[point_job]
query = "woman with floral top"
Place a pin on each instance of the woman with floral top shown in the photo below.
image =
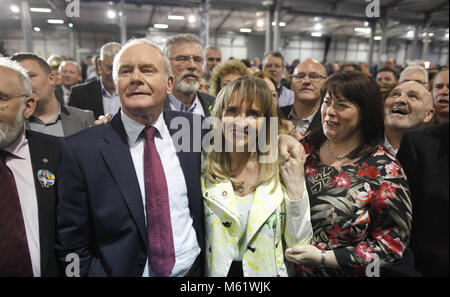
(250, 216)
(359, 196)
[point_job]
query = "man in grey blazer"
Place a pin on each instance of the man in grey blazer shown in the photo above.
(50, 117)
(185, 53)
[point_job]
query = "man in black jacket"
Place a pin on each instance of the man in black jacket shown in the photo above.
(99, 95)
(423, 154)
(28, 164)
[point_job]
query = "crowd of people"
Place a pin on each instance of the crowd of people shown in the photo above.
(355, 173)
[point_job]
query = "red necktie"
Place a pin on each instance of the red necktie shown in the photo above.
(159, 226)
(14, 254)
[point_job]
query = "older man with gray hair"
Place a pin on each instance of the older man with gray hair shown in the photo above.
(99, 95)
(28, 168)
(415, 73)
(185, 53)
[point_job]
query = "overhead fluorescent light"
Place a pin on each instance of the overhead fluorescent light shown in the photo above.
(55, 21)
(245, 30)
(363, 30)
(15, 8)
(282, 24)
(191, 19)
(316, 34)
(446, 35)
(37, 29)
(161, 26)
(40, 9)
(378, 38)
(176, 17)
(430, 34)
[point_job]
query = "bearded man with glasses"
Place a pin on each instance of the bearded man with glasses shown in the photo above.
(307, 80)
(185, 53)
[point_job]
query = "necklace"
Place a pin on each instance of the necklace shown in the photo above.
(239, 186)
(330, 152)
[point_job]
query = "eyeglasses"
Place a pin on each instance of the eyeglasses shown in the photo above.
(314, 77)
(185, 59)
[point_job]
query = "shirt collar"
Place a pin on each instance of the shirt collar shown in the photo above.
(180, 106)
(105, 92)
(34, 118)
(389, 147)
(134, 129)
(293, 116)
(19, 147)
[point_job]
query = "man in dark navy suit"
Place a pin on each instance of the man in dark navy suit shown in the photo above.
(129, 203)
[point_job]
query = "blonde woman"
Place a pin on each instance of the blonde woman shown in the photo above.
(252, 215)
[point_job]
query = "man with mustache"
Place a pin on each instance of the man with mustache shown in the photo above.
(440, 95)
(307, 80)
(185, 53)
(28, 163)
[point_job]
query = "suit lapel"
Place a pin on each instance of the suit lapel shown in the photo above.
(316, 121)
(117, 156)
(207, 104)
(44, 156)
(67, 124)
(98, 104)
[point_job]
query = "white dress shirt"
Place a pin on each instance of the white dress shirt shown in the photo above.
(186, 246)
(19, 162)
(111, 102)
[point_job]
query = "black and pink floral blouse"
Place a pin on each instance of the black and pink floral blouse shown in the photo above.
(361, 211)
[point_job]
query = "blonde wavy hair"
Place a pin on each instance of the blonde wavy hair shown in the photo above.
(229, 67)
(251, 90)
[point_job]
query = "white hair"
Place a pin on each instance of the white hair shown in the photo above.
(414, 68)
(109, 49)
(133, 42)
(64, 63)
(25, 81)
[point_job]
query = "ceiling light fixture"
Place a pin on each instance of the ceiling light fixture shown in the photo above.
(245, 30)
(15, 8)
(316, 34)
(191, 19)
(378, 38)
(55, 21)
(111, 14)
(176, 17)
(37, 29)
(161, 26)
(363, 30)
(260, 23)
(40, 9)
(318, 27)
(282, 24)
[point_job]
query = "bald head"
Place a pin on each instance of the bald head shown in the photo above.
(311, 64)
(308, 78)
(408, 106)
